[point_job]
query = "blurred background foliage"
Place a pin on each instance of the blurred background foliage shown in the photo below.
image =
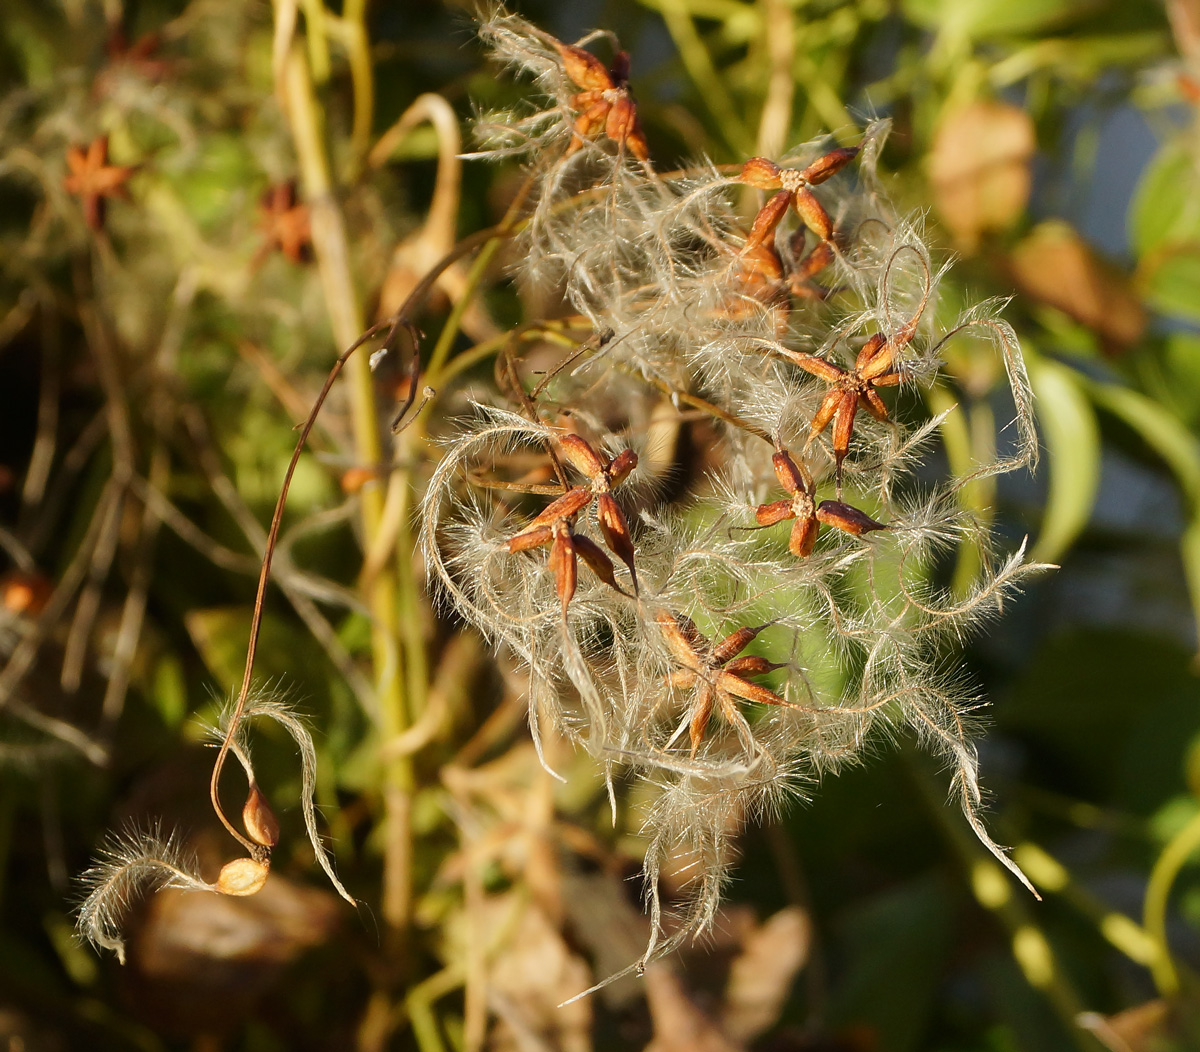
(278, 177)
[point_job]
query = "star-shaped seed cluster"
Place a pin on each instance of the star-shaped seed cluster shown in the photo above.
(801, 506)
(285, 223)
(555, 524)
(94, 180)
(605, 105)
(715, 671)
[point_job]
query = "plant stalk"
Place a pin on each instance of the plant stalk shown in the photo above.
(331, 249)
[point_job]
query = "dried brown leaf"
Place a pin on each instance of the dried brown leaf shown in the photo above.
(679, 1024)
(761, 976)
(1143, 1028)
(533, 973)
(979, 168)
(1057, 267)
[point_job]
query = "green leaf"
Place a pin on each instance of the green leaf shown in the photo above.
(1166, 207)
(1164, 225)
(286, 654)
(1180, 388)
(1171, 286)
(1109, 710)
(1178, 447)
(1073, 439)
(1189, 549)
(1159, 429)
(901, 932)
(169, 690)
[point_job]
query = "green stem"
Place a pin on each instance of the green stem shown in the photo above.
(711, 86)
(316, 30)
(1158, 891)
(331, 248)
(362, 78)
(419, 1006)
(959, 439)
(994, 891)
(441, 350)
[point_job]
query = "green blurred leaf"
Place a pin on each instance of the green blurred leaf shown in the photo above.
(1073, 439)
(1161, 431)
(988, 18)
(1181, 366)
(904, 932)
(1164, 224)
(1178, 447)
(1172, 285)
(1172, 817)
(1192, 766)
(170, 694)
(1080, 58)
(1189, 548)
(1109, 712)
(214, 185)
(1166, 208)
(285, 654)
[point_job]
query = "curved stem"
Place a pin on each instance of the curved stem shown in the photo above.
(1158, 890)
(263, 576)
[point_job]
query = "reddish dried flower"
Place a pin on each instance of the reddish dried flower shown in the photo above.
(716, 672)
(566, 547)
(802, 507)
(605, 104)
(851, 389)
(604, 475)
(285, 224)
(92, 179)
(767, 175)
(554, 525)
(141, 56)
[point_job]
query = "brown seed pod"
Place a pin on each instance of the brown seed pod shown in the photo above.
(830, 164)
(846, 518)
(583, 68)
(812, 213)
(760, 172)
(242, 876)
(261, 824)
(24, 592)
